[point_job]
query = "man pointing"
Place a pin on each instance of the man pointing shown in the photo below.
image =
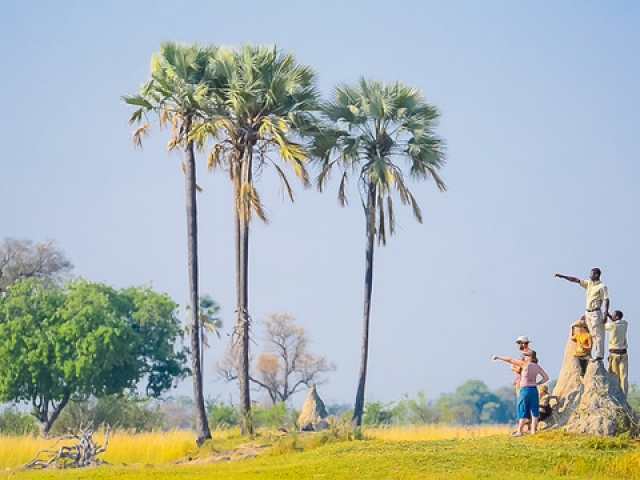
(597, 294)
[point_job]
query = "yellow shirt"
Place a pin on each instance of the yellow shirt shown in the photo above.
(583, 344)
(596, 293)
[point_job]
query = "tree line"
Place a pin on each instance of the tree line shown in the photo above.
(253, 107)
(68, 344)
(472, 403)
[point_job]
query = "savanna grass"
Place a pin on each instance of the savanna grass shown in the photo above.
(125, 448)
(548, 455)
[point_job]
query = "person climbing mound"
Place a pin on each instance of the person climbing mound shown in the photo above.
(584, 342)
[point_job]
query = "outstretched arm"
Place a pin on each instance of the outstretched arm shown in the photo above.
(565, 277)
(512, 361)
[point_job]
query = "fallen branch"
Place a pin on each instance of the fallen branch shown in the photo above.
(82, 454)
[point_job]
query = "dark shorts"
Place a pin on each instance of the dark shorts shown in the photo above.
(545, 411)
(528, 403)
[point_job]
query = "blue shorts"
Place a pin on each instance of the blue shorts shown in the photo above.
(528, 403)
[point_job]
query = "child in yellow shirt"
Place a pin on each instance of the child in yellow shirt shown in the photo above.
(584, 343)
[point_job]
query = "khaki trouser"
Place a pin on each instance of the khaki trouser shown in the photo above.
(596, 329)
(619, 368)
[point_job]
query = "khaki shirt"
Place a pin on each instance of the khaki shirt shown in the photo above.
(596, 293)
(618, 334)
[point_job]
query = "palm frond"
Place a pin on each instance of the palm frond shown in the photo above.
(392, 217)
(342, 190)
(416, 208)
(257, 206)
(381, 231)
(143, 131)
(285, 182)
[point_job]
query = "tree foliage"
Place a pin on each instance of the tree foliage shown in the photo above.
(82, 339)
(472, 403)
(27, 259)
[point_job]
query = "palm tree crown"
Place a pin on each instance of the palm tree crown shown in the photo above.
(376, 124)
(263, 100)
(177, 91)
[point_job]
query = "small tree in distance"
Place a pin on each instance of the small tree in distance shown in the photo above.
(28, 259)
(285, 365)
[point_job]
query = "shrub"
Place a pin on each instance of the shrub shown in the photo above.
(125, 412)
(14, 423)
(273, 417)
(222, 416)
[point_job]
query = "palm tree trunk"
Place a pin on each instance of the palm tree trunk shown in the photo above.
(202, 426)
(242, 289)
(368, 287)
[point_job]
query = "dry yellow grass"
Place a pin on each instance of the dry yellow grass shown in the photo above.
(16, 451)
(124, 448)
(436, 432)
(148, 448)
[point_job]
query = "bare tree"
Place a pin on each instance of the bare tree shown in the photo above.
(285, 365)
(26, 258)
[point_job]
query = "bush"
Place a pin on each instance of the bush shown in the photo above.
(273, 417)
(377, 413)
(222, 416)
(125, 412)
(14, 423)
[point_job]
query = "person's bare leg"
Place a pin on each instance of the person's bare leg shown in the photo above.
(521, 423)
(534, 425)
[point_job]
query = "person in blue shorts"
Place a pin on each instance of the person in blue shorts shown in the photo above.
(528, 399)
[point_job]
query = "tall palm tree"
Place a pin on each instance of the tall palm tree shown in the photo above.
(263, 99)
(178, 94)
(372, 126)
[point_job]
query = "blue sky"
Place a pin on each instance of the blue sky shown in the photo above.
(540, 111)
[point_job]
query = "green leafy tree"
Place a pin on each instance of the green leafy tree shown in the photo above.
(178, 94)
(373, 126)
(262, 99)
(84, 339)
(507, 401)
(474, 403)
(445, 407)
